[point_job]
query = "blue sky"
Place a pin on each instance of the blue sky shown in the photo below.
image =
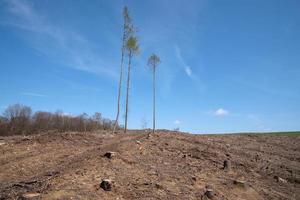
(227, 66)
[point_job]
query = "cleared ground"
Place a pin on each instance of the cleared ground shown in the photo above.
(168, 165)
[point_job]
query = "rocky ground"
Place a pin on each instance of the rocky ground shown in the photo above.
(167, 165)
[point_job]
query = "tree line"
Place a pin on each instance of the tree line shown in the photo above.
(19, 119)
(130, 48)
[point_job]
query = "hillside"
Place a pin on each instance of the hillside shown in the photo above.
(168, 165)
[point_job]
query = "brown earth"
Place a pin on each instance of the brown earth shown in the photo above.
(167, 165)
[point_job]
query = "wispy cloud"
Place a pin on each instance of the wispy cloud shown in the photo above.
(188, 71)
(186, 68)
(65, 46)
(33, 94)
(220, 112)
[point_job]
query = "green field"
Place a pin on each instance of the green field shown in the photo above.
(286, 133)
(290, 133)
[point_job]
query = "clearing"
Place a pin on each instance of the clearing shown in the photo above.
(168, 165)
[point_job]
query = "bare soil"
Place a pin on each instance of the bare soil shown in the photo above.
(168, 165)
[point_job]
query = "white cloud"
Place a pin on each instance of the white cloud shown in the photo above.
(220, 112)
(187, 68)
(177, 122)
(33, 94)
(64, 46)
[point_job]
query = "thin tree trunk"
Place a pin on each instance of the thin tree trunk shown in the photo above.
(120, 82)
(127, 93)
(154, 99)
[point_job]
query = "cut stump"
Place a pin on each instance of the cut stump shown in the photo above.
(106, 184)
(227, 165)
(209, 193)
(110, 154)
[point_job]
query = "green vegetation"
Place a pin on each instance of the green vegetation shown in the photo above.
(289, 133)
(284, 133)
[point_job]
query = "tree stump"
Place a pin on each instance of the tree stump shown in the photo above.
(227, 165)
(106, 185)
(109, 154)
(209, 193)
(240, 183)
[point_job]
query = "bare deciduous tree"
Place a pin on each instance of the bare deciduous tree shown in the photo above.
(17, 119)
(18, 116)
(153, 61)
(42, 120)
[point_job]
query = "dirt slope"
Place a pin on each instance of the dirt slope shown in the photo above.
(166, 166)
